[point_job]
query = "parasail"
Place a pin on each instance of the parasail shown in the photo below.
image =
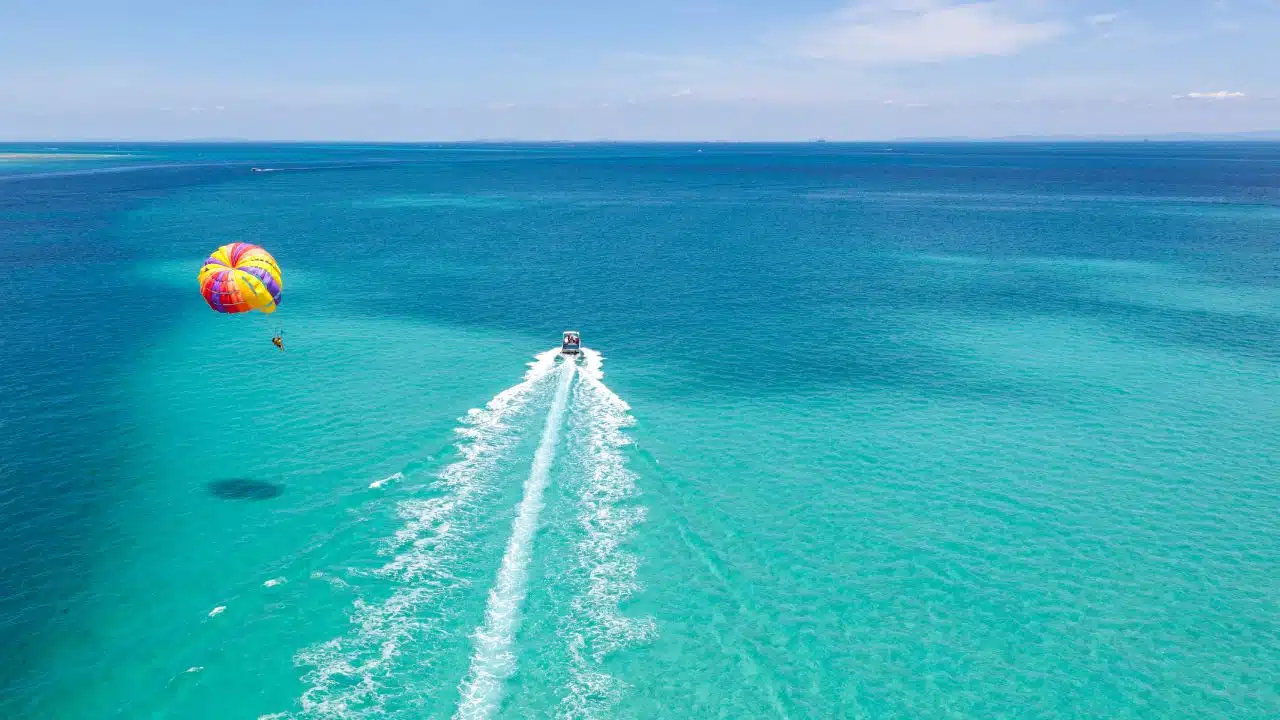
(240, 277)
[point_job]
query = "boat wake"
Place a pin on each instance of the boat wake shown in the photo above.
(493, 660)
(354, 675)
(398, 643)
(604, 573)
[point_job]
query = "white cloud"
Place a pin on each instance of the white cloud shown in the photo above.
(686, 92)
(1102, 18)
(1219, 95)
(914, 31)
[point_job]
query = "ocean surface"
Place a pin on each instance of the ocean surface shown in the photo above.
(864, 431)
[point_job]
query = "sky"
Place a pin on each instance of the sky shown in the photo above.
(634, 69)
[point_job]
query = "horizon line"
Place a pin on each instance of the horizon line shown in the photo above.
(1245, 136)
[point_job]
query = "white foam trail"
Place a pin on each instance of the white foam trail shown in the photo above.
(492, 662)
(351, 673)
(390, 478)
(604, 573)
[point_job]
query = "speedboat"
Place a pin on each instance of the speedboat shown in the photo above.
(572, 344)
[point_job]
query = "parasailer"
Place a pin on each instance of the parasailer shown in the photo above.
(240, 277)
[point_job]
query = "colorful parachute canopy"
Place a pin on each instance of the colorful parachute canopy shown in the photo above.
(240, 277)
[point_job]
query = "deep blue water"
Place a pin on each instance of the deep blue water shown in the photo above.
(914, 430)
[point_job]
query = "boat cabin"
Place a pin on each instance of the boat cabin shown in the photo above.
(572, 344)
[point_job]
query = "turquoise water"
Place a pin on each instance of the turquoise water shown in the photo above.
(930, 431)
